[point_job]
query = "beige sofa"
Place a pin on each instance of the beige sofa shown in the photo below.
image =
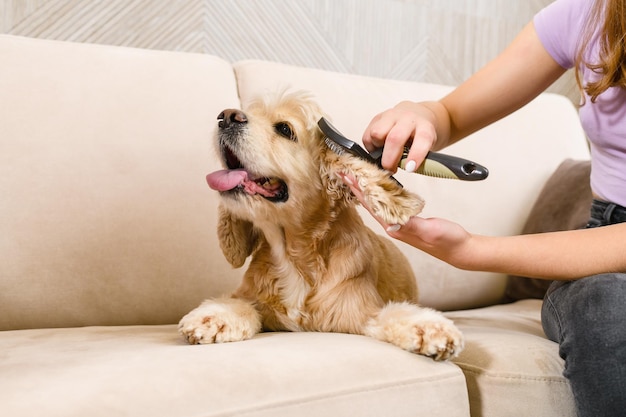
(108, 237)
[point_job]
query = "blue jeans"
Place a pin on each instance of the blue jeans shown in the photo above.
(587, 317)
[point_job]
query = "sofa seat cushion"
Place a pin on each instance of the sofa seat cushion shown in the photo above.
(511, 368)
(149, 370)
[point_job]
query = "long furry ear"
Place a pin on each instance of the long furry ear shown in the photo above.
(238, 238)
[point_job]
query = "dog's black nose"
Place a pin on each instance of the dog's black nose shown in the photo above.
(230, 116)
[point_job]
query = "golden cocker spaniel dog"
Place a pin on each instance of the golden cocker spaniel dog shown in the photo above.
(315, 266)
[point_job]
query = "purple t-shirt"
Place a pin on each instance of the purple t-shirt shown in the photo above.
(560, 26)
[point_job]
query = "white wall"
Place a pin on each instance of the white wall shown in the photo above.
(440, 41)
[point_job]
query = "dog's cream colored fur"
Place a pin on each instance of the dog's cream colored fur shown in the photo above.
(315, 266)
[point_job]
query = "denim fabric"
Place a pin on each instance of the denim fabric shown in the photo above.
(604, 213)
(587, 317)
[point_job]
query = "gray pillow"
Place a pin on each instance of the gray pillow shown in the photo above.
(563, 204)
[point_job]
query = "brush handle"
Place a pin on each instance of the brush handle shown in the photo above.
(435, 164)
(448, 166)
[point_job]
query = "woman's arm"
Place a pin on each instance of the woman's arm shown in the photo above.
(522, 71)
(556, 255)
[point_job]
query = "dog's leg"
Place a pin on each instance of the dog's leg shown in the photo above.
(220, 320)
(416, 329)
(385, 197)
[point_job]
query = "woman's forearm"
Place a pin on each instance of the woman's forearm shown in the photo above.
(556, 255)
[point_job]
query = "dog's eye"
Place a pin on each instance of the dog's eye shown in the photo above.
(284, 130)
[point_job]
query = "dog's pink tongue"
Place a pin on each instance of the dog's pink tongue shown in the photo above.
(226, 179)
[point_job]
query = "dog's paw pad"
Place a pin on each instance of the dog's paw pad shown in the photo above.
(418, 330)
(392, 203)
(204, 330)
(229, 321)
(439, 340)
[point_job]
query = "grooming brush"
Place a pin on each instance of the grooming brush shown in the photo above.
(435, 165)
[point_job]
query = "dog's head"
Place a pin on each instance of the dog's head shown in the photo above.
(276, 170)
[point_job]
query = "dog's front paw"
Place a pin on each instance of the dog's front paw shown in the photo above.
(221, 320)
(389, 201)
(417, 329)
(440, 339)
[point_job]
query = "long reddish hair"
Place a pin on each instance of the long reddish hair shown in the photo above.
(610, 16)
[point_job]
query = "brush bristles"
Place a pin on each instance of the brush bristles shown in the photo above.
(333, 146)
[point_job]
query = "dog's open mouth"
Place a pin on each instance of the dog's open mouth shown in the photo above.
(236, 178)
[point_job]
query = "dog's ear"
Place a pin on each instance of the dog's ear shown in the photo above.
(331, 165)
(238, 238)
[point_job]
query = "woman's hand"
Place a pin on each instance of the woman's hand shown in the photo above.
(440, 238)
(407, 124)
(569, 254)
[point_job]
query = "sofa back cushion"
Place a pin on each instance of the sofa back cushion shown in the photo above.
(105, 216)
(520, 151)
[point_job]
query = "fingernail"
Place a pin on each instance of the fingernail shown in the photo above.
(410, 166)
(347, 180)
(394, 228)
